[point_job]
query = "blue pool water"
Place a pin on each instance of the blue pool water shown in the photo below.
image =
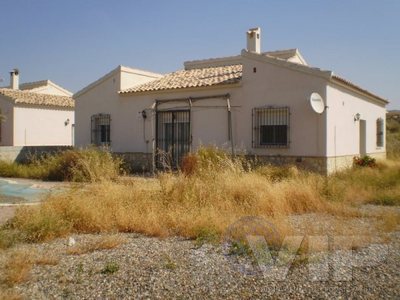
(17, 192)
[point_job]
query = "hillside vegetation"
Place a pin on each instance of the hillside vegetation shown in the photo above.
(393, 135)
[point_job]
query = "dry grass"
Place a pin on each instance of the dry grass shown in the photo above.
(180, 205)
(47, 260)
(212, 193)
(87, 165)
(380, 185)
(17, 267)
(202, 204)
(102, 243)
(19, 262)
(9, 294)
(390, 221)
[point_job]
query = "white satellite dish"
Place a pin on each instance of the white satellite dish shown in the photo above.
(317, 103)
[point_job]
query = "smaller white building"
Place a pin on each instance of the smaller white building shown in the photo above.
(36, 114)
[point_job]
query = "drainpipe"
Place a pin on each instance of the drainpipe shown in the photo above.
(190, 124)
(153, 132)
(230, 135)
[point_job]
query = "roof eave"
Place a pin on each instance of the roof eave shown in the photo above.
(351, 86)
(96, 82)
(120, 68)
(186, 89)
(290, 65)
(24, 104)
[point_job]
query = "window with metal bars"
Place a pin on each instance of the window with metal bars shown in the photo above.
(271, 127)
(101, 130)
(379, 132)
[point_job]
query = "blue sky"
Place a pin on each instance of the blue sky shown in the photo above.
(75, 42)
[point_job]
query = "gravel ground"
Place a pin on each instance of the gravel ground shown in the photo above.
(178, 268)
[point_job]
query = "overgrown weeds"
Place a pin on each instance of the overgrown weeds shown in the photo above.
(201, 202)
(110, 268)
(88, 165)
(379, 185)
(18, 263)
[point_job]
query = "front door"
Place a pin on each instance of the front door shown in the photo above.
(363, 138)
(172, 137)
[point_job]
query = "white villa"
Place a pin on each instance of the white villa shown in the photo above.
(272, 105)
(36, 114)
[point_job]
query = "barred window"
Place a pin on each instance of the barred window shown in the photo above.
(271, 127)
(379, 132)
(101, 130)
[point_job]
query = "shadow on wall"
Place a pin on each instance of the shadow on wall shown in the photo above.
(25, 153)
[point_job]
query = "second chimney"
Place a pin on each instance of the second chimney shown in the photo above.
(254, 40)
(14, 79)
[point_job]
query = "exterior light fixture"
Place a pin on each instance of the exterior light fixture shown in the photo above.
(357, 117)
(66, 122)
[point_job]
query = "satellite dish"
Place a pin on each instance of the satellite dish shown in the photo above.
(317, 103)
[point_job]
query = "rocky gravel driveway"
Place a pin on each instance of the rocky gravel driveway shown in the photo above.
(145, 267)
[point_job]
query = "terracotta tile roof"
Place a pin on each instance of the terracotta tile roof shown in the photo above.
(198, 76)
(25, 97)
(201, 77)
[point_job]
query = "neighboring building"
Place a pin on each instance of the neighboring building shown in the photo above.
(36, 114)
(257, 103)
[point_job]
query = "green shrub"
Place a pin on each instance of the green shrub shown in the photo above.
(110, 268)
(365, 161)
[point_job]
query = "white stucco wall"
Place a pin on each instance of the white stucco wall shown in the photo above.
(132, 77)
(343, 132)
(103, 97)
(270, 85)
(279, 86)
(42, 126)
(7, 110)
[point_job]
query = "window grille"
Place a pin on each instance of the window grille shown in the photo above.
(271, 127)
(101, 130)
(379, 132)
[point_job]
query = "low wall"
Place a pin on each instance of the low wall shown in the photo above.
(142, 162)
(339, 163)
(25, 153)
(309, 163)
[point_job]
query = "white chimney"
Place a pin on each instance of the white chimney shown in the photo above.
(14, 79)
(254, 40)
